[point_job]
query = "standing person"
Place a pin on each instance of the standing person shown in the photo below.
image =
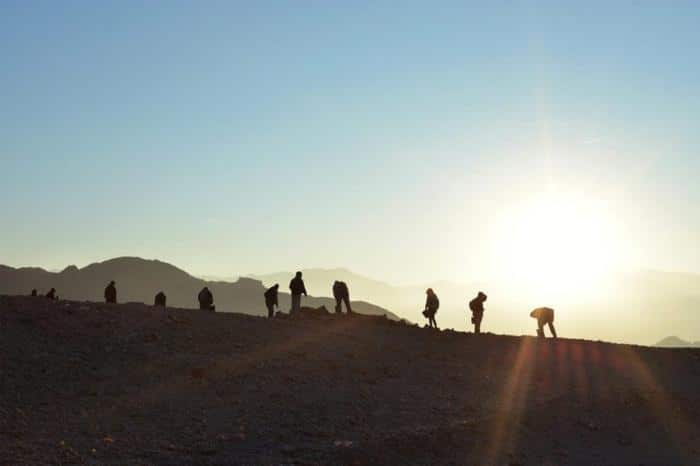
(271, 299)
(476, 305)
(544, 315)
(160, 299)
(111, 293)
(34, 293)
(432, 304)
(51, 294)
(297, 287)
(206, 300)
(341, 295)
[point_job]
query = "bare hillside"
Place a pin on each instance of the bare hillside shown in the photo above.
(95, 384)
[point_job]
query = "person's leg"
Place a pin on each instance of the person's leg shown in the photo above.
(270, 311)
(296, 302)
(477, 323)
(551, 329)
(540, 328)
(338, 302)
(346, 299)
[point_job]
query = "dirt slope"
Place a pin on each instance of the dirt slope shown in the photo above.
(95, 384)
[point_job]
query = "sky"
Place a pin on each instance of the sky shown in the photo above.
(408, 142)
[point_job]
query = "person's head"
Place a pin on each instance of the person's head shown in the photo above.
(482, 296)
(298, 275)
(53, 290)
(276, 285)
(112, 283)
(534, 313)
(429, 292)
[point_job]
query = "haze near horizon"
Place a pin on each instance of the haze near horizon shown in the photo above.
(535, 145)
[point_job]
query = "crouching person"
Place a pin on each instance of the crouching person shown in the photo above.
(206, 300)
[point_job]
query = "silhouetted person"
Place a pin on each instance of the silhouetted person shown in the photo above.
(111, 293)
(297, 287)
(34, 292)
(51, 294)
(476, 305)
(432, 304)
(206, 300)
(160, 299)
(341, 295)
(544, 315)
(271, 299)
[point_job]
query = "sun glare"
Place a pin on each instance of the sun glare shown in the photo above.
(558, 246)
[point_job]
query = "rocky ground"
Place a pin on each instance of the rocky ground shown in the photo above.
(85, 383)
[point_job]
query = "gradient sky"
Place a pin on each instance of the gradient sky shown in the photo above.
(243, 137)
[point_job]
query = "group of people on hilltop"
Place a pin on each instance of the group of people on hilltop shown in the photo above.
(110, 295)
(297, 288)
(544, 315)
(341, 293)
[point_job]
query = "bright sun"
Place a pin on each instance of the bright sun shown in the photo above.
(558, 246)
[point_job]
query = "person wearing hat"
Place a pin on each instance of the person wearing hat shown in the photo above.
(476, 305)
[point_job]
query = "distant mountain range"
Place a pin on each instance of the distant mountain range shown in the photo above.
(675, 342)
(138, 280)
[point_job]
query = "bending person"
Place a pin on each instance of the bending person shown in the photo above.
(544, 315)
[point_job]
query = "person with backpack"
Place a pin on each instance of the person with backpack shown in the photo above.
(544, 315)
(271, 300)
(432, 304)
(111, 293)
(206, 300)
(341, 295)
(476, 305)
(297, 287)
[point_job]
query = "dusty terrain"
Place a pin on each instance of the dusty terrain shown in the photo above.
(85, 383)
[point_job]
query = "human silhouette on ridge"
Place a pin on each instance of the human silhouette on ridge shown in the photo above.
(341, 295)
(476, 305)
(206, 300)
(271, 299)
(297, 287)
(111, 293)
(432, 304)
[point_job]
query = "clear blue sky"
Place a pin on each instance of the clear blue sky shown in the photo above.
(389, 137)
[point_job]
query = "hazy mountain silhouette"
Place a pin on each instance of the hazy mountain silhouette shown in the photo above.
(675, 342)
(138, 280)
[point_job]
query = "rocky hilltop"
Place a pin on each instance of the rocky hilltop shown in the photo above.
(85, 383)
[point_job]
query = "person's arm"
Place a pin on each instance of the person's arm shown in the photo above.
(303, 285)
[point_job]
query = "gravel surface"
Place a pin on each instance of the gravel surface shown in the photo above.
(88, 383)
